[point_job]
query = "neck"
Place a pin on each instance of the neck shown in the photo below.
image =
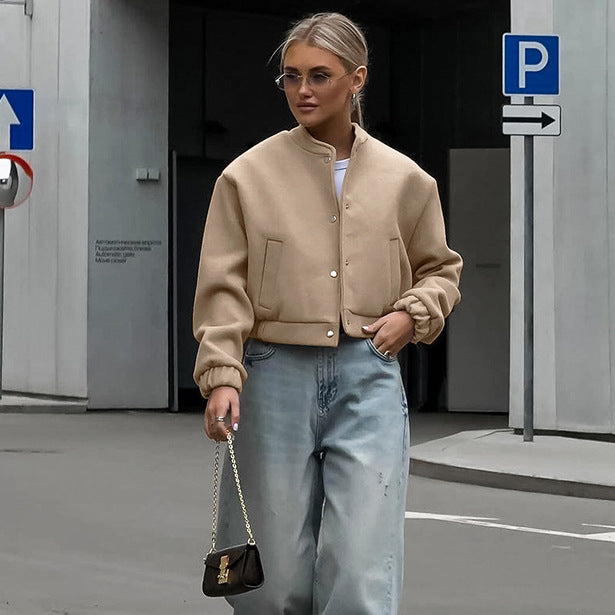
(340, 136)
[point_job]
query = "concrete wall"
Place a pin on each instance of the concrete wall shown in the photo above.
(45, 330)
(575, 227)
(128, 219)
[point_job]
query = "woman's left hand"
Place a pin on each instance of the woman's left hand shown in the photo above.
(392, 331)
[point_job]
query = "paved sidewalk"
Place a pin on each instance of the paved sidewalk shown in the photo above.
(500, 458)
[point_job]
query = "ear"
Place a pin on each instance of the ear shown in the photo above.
(359, 77)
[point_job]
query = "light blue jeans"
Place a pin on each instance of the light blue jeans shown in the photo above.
(322, 450)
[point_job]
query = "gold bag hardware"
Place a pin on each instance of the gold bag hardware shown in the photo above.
(223, 576)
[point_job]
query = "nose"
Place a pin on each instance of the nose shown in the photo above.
(304, 87)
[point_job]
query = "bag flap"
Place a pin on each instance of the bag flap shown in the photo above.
(234, 554)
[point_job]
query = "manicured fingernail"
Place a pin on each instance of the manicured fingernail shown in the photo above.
(235, 426)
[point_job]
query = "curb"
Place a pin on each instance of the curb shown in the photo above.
(17, 404)
(502, 480)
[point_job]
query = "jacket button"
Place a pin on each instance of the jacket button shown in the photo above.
(333, 274)
(327, 159)
(347, 206)
(333, 219)
(330, 333)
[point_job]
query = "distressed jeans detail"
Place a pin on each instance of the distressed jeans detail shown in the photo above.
(322, 450)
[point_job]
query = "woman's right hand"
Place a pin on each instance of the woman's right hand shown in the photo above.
(221, 401)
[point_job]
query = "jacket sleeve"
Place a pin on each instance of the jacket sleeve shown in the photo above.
(223, 314)
(435, 272)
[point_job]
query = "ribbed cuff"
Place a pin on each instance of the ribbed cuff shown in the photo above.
(220, 377)
(416, 308)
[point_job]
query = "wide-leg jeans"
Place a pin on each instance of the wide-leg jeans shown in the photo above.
(322, 450)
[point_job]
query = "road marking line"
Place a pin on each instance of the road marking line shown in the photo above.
(489, 522)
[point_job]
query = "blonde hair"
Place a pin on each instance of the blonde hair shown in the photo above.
(335, 33)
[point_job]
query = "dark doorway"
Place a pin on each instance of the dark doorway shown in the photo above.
(435, 84)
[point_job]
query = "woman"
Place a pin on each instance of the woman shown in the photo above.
(324, 253)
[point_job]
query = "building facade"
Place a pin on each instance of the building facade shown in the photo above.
(574, 323)
(139, 106)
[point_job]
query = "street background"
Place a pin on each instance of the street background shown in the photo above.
(109, 514)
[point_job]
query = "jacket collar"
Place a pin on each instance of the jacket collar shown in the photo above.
(306, 141)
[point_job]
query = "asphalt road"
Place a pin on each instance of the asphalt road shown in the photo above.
(108, 514)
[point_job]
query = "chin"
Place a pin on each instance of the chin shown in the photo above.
(309, 122)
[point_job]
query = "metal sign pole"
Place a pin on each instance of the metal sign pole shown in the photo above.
(528, 287)
(16, 110)
(524, 73)
(1, 290)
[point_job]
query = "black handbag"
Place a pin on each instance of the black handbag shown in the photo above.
(238, 569)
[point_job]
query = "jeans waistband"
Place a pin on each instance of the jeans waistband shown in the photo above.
(344, 337)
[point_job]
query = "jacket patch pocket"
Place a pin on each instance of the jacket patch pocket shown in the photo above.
(395, 270)
(271, 265)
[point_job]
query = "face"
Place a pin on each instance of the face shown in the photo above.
(315, 106)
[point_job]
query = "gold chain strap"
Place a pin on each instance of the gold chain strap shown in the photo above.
(214, 523)
(214, 526)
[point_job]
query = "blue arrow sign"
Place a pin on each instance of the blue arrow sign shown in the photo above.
(16, 120)
(531, 64)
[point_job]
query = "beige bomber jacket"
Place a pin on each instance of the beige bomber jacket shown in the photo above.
(284, 261)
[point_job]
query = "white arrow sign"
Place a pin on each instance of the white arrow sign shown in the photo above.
(532, 120)
(487, 522)
(7, 117)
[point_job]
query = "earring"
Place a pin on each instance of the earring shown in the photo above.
(354, 101)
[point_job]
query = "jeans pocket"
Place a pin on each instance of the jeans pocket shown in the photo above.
(383, 357)
(257, 350)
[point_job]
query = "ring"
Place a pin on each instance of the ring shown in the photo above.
(220, 419)
(387, 354)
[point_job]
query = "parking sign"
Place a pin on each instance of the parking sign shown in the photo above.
(530, 64)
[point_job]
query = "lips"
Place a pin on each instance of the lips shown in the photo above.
(306, 106)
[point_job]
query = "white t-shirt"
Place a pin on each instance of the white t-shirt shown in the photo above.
(340, 172)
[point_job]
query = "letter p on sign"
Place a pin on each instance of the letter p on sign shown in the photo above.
(530, 64)
(524, 65)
